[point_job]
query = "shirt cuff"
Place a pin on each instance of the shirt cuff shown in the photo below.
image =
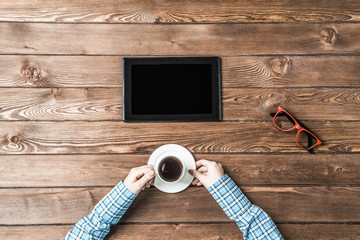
(111, 208)
(227, 194)
(219, 183)
(125, 191)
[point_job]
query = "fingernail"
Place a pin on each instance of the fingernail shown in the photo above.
(152, 173)
(190, 171)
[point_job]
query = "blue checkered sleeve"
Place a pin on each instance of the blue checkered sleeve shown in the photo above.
(108, 211)
(252, 220)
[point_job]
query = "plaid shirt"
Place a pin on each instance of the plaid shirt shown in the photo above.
(252, 221)
(107, 212)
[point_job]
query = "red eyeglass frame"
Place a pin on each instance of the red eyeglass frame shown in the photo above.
(299, 126)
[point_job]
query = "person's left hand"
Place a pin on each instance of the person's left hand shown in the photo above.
(139, 178)
(207, 173)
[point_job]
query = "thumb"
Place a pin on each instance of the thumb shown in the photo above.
(196, 174)
(146, 178)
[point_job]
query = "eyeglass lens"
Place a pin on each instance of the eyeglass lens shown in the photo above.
(284, 121)
(305, 139)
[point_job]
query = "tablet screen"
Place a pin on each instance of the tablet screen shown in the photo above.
(171, 89)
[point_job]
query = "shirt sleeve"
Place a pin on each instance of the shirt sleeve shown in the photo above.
(108, 211)
(252, 220)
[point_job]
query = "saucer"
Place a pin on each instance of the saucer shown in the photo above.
(186, 159)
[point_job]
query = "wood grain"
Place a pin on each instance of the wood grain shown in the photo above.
(68, 205)
(237, 72)
(303, 103)
(61, 104)
(126, 11)
(320, 231)
(225, 231)
(290, 71)
(245, 169)
(61, 129)
(213, 137)
(132, 232)
(57, 104)
(60, 71)
(178, 39)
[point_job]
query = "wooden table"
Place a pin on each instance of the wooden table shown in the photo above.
(64, 146)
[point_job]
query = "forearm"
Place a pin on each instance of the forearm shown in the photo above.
(108, 211)
(252, 220)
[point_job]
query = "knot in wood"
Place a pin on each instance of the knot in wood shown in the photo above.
(15, 139)
(270, 102)
(32, 74)
(177, 226)
(328, 36)
(339, 170)
(157, 20)
(54, 91)
(279, 66)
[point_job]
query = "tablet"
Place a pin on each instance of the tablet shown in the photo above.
(172, 89)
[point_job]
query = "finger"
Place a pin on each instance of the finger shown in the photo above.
(202, 162)
(196, 174)
(149, 166)
(195, 181)
(202, 169)
(148, 176)
(140, 171)
(199, 184)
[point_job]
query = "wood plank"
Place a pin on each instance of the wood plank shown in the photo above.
(243, 72)
(68, 205)
(131, 232)
(291, 71)
(225, 231)
(320, 231)
(238, 104)
(61, 104)
(213, 137)
(178, 39)
(60, 71)
(304, 103)
(245, 169)
(180, 12)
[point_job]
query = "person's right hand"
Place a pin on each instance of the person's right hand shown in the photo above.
(207, 173)
(139, 178)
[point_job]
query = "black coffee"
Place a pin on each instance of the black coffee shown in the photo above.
(170, 169)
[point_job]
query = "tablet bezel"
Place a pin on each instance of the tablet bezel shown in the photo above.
(216, 114)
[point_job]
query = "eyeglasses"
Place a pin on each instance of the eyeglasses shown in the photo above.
(304, 137)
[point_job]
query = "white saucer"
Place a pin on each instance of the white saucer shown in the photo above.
(180, 153)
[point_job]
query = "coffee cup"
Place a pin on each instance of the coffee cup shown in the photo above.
(170, 169)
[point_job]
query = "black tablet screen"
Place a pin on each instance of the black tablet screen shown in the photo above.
(171, 89)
